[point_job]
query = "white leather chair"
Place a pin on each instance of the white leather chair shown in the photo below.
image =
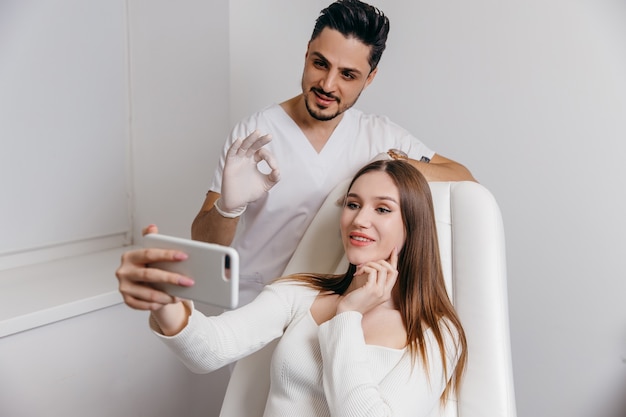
(472, 248)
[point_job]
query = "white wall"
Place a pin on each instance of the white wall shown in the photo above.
(106, 362)
(531, 95)
(63, 110)
(102, 364)
(180, 101)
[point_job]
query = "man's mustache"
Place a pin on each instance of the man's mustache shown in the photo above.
(324, 93)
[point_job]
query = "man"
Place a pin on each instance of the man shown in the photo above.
(312, 141)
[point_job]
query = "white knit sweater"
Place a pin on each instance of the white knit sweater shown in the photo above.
(325, 370)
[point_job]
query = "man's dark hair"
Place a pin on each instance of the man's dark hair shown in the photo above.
(353, 18)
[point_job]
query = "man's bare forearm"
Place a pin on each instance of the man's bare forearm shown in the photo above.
(443, 169)
(210, 226)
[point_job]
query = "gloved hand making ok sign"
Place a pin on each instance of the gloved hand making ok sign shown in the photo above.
(242, 182)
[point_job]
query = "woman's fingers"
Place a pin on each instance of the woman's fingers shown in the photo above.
(375, 280)
(152, 228)
(381, 276)
(136, 278)
(144, 297)
(146, 256)
(393, 259)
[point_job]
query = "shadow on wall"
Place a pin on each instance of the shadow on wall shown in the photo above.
(615, 406)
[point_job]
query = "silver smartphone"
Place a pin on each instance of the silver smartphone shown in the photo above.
(213, 267)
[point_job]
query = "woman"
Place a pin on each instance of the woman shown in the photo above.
(382, 339)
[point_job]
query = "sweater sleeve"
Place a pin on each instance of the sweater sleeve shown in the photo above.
(208, 343)
(349, 373)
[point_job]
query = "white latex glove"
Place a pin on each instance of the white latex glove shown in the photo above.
(242, 182)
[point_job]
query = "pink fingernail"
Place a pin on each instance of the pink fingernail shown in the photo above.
(185, 282)
(180, 256)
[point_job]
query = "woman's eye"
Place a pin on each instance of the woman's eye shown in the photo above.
(352, 205)
(383, 210)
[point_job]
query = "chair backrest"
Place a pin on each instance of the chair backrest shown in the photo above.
(472, 249)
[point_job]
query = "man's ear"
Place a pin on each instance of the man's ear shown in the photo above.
(370, 77)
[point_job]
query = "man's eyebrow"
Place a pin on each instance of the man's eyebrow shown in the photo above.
(323, 58)
(320, 56)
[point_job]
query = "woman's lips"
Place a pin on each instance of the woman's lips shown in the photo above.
(360, 239)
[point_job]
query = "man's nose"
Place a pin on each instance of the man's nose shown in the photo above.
(329, 82)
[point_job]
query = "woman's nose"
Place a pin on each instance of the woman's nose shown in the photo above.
(362, 219)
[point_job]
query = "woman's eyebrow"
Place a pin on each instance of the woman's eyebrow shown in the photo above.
(382, 197)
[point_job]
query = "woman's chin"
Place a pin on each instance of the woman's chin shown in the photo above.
(360, 260)
(354, 260)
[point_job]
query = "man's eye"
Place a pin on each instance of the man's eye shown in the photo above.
(349, 75)
(319, 64)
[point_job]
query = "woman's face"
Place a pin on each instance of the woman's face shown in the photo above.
(371, 221)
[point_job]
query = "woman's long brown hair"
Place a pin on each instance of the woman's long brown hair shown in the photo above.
(420, 294)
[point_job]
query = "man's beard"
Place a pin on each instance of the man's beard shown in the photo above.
(317, 115)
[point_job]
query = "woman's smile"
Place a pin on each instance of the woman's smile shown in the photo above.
(360, 239)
